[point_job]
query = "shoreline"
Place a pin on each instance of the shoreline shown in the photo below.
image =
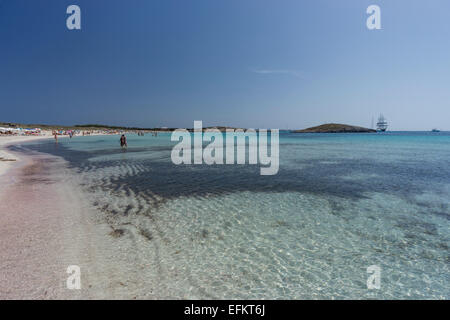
(7, 159)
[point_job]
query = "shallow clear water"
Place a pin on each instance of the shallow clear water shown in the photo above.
(339, 204)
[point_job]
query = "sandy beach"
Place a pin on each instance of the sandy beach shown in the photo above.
(7, 158)
(46, 226)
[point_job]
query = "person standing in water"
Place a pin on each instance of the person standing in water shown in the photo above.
(123, 141)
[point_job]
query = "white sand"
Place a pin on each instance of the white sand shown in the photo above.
(46, 225)
(6, 158)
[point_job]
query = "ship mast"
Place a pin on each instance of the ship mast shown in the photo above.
(382, 123)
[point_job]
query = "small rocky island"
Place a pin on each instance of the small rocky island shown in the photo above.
(335, 128)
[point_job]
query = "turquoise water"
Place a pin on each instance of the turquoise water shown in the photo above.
(339, 204)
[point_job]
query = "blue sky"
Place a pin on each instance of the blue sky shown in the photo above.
(247, 63)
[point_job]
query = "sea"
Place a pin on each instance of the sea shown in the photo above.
(347, 216)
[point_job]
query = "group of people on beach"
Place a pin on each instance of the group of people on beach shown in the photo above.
(70, 133)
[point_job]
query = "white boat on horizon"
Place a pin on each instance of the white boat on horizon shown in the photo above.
(382, 124)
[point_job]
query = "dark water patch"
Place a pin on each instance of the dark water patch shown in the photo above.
(170, 181)
(166, 180)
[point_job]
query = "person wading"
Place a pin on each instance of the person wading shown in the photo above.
(123, 141)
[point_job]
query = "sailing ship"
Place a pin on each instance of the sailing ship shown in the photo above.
(381, 124)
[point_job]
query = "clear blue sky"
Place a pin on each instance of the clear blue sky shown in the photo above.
(249, 63)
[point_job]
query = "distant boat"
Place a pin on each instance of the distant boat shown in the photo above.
(381, 124)
(435, 130)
